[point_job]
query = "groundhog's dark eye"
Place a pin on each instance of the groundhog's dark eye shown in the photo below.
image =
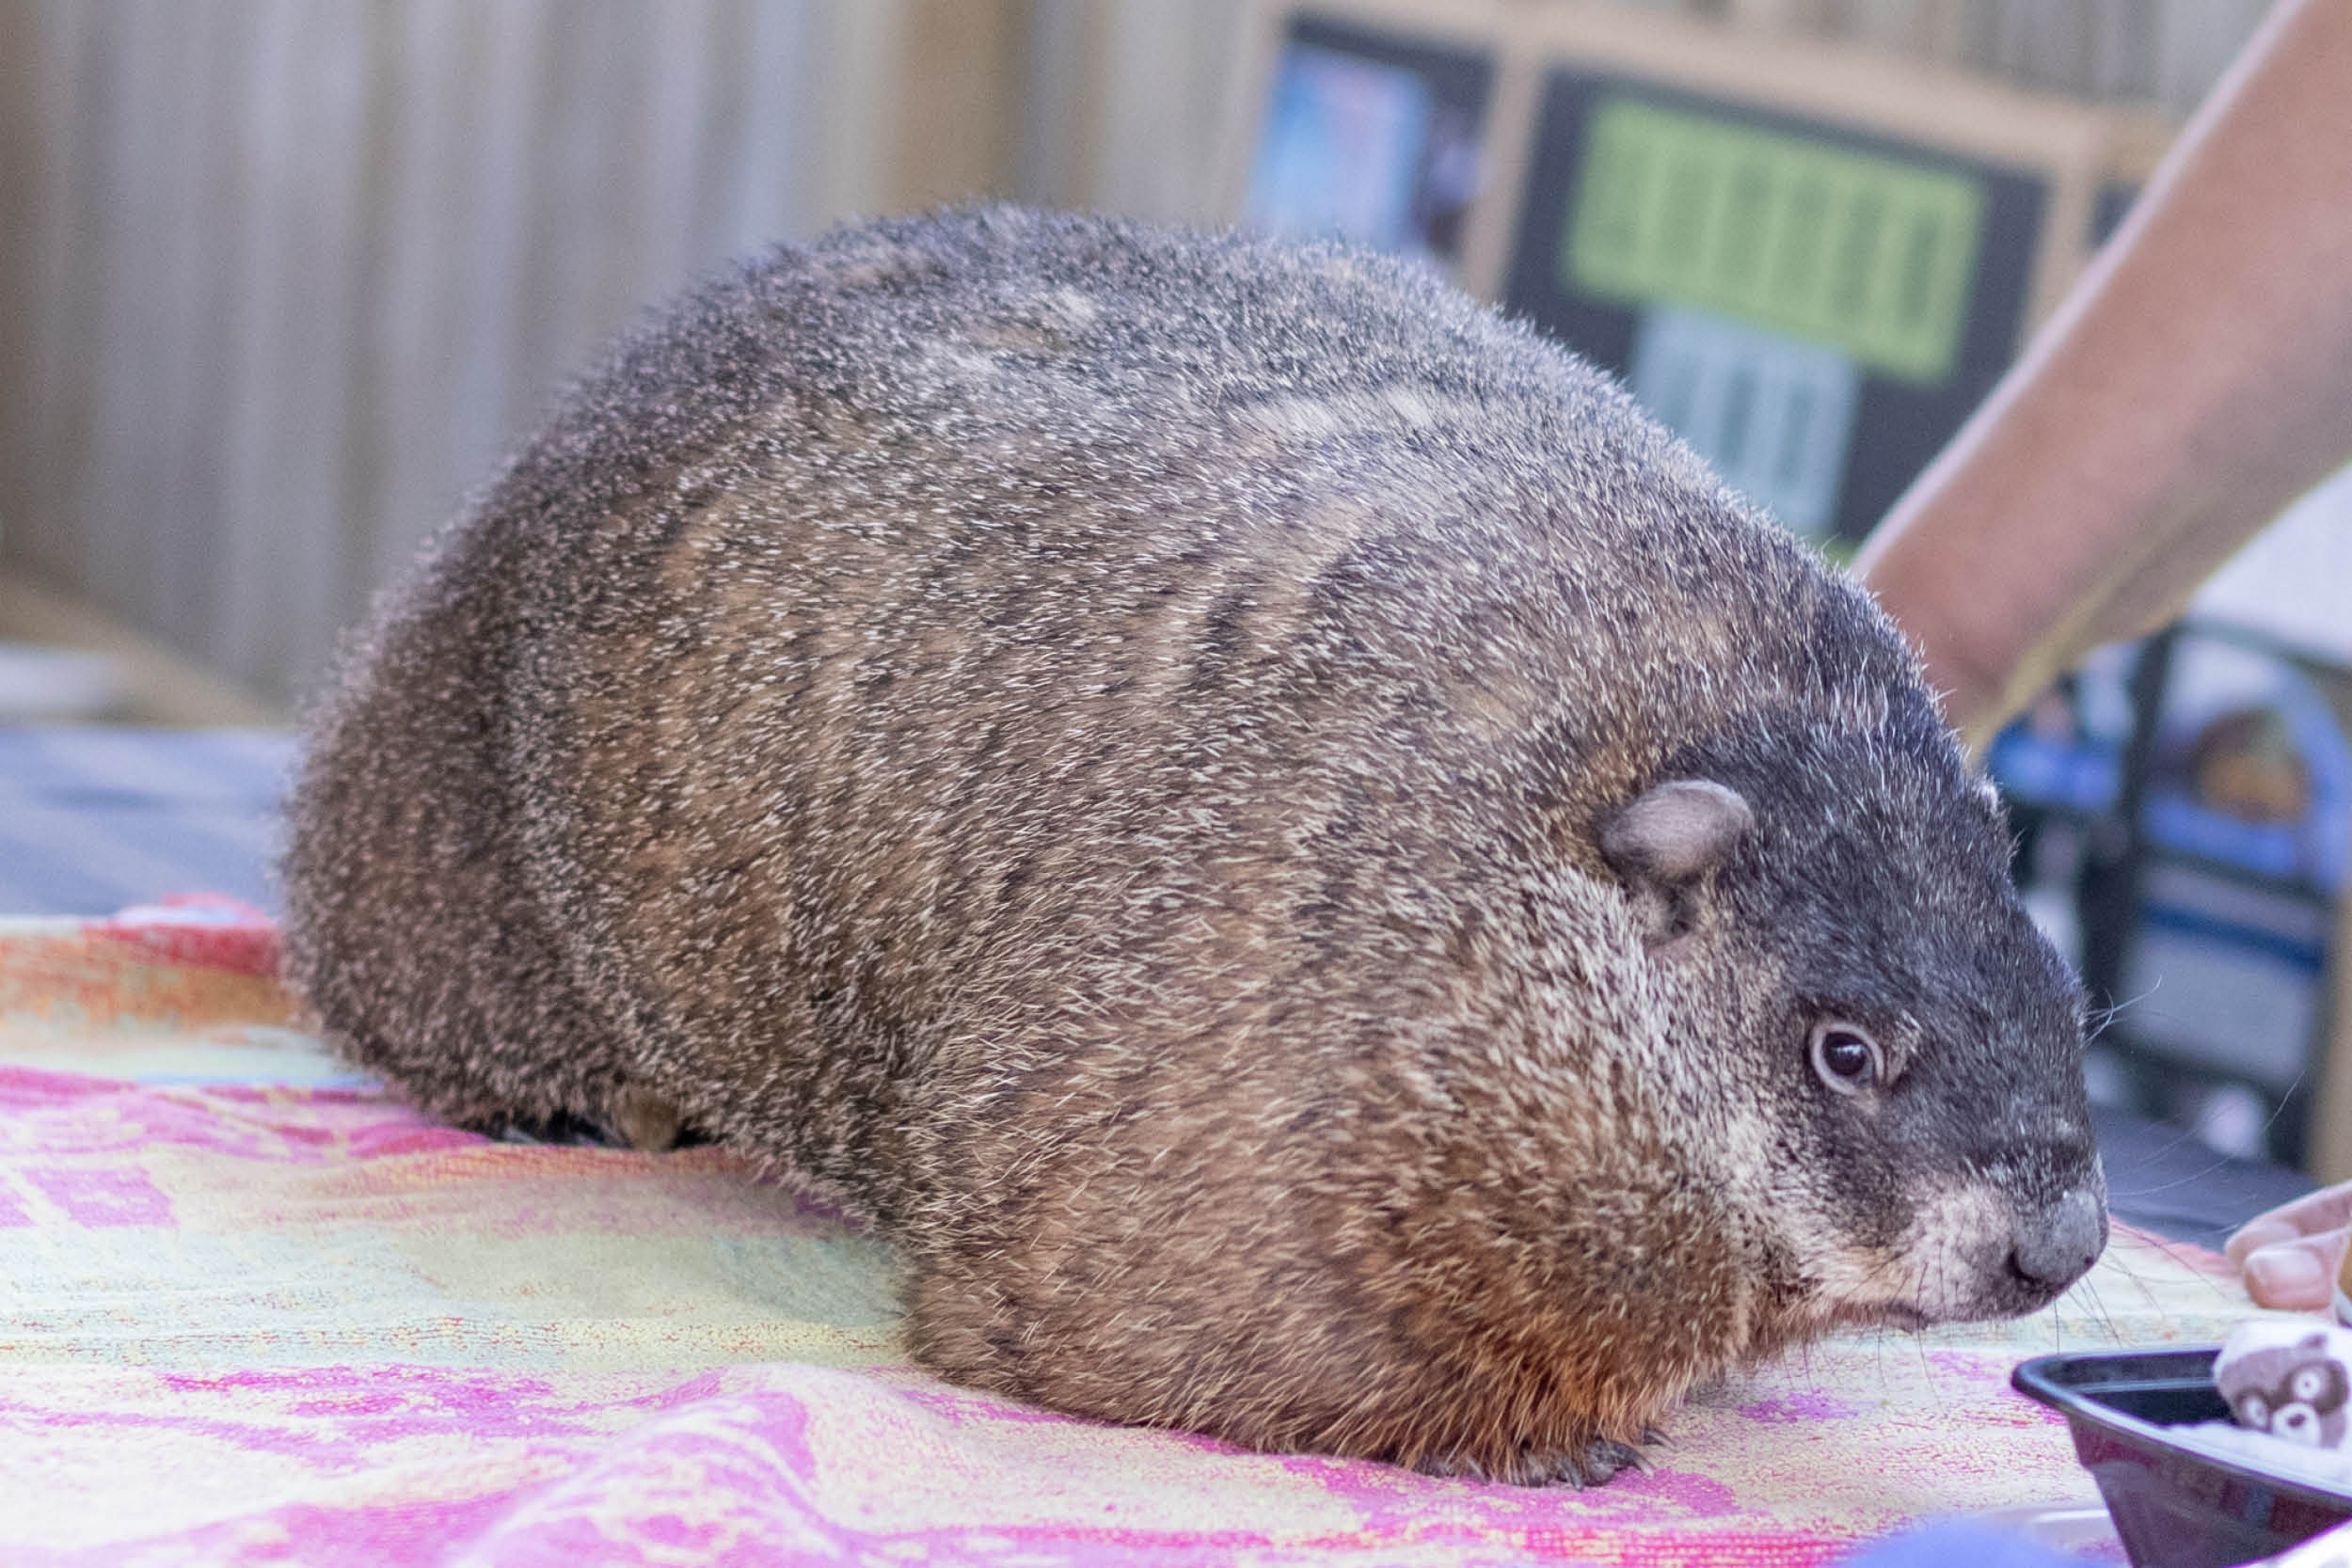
(1845, 1058)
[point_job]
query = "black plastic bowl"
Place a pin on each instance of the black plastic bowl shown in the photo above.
(2172, 1506)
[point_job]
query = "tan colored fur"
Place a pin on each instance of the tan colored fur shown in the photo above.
(1091, 744)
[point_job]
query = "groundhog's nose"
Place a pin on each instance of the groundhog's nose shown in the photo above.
(2056, 1247)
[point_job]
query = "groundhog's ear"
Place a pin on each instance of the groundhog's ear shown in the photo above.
(1666, 840)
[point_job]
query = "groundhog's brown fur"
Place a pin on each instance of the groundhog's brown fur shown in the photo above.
(1291, 846)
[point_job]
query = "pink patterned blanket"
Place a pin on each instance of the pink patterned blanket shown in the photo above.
(252, 1310)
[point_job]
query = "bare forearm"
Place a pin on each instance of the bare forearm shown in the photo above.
(2197, 380)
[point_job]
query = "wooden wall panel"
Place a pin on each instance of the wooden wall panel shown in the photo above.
(958, 136)
(283, 278)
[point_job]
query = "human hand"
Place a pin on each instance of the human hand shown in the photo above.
(2288, 1256)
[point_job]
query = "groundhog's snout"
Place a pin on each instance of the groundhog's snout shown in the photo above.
(2055, 1245)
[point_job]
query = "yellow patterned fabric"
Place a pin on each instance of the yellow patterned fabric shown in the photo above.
(253, 1309)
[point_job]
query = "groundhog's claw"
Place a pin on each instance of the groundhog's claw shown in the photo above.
(1604, 1457)
(1598, 1460)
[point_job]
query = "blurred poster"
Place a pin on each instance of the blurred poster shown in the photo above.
(1371, 140)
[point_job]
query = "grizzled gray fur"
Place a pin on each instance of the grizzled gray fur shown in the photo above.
(1323, 880)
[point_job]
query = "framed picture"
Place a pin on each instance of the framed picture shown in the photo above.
(1811, 262)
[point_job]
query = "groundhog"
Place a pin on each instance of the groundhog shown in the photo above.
(1314, 869)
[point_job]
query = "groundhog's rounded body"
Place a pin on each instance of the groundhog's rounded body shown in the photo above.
(1102, 748)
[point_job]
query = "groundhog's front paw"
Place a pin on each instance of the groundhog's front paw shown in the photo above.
(647, 1121)
(1588, 1466)
(1603, 1457)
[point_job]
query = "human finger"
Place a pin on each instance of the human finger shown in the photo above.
(2297, 1276)
(2328, 1209)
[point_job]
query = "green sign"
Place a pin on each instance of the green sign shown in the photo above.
(1867, 254)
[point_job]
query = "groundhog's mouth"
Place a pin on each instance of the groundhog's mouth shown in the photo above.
(1909, 1317)
(1828, 1317)
(1995, 1299)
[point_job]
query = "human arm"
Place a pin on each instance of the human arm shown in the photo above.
(2196, 380)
